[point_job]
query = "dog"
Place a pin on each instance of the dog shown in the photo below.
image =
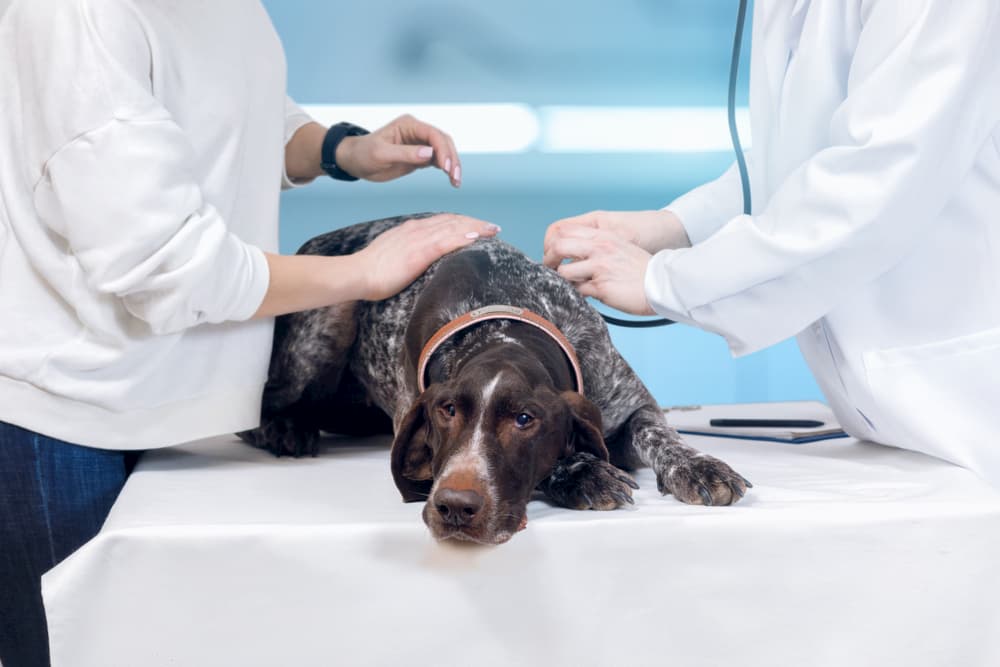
(526, 392)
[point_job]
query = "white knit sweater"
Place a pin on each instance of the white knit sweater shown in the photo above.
(141, 159)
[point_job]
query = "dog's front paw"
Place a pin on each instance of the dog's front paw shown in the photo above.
(283, 437)
(702, 480)
(582, 481)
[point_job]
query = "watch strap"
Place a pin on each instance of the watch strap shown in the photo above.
(328, 153)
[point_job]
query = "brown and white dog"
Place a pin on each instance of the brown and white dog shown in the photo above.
(524, 392)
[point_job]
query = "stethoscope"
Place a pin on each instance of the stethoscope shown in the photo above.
(737, 147)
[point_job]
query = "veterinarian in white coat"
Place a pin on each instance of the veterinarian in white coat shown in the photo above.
(875, 231)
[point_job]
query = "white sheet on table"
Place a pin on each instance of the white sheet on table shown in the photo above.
(844, 553)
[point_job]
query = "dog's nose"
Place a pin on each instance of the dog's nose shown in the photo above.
(457, 508)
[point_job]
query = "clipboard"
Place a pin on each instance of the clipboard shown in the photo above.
(695, 420)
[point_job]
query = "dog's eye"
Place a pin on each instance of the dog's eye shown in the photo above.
(448, 409)
(523, 419)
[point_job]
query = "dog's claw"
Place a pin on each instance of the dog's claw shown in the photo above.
(705, 495)
(746, 481)
(625, 478)
(631, 482)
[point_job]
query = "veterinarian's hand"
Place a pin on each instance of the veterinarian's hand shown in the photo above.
(605, 266)
(398, 256)
(395, 150)
(650, 230)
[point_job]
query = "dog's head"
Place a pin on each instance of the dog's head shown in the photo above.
(476, 446)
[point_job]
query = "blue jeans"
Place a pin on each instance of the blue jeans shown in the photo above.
(54, 496)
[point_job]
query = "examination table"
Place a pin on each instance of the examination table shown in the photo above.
(843, 554)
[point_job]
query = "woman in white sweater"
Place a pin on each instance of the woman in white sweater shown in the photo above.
(143, 146)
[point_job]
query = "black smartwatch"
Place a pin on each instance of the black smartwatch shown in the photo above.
(328, 154)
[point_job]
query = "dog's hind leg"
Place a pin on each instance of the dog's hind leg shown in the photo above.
(348, 410)
(308, 358)
(308, 346)
(283, 435)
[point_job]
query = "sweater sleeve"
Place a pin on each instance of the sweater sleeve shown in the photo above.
(133, 217)
(922, 97)
(115, 176)
(295, 118)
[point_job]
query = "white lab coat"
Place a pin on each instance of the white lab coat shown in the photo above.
(875, 232)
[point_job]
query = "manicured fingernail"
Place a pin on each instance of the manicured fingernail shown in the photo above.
(472, 235)
(425, 152)
(493, 228)
(447, 164)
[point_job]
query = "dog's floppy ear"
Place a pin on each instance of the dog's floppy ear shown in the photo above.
(411, 454)
(586, 435)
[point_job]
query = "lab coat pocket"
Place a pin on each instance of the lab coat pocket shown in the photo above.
(939, 398)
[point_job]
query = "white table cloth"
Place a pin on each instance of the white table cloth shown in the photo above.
(843, 554)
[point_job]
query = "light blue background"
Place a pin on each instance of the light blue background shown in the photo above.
(585, 52)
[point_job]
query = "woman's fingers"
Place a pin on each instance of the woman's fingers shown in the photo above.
(605, 267)
(438, 235)
(578, 272)
(417, 156)
(564, 248)
(448, 160)
(450, 223)
(561, 228)
(413, 131)
(576, 241)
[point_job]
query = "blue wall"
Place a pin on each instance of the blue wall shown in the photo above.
(589, 52)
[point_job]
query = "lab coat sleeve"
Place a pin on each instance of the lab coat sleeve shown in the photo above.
(116, 177)
(295, 118)
(705, 209)
(922, 96)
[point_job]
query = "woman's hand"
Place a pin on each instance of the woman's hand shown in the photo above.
(388, 264)
(398, 256)
(605, 266)
(650, 230)
(395, 150)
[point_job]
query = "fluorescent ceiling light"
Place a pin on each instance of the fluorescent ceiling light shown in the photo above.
(519, 128)
(639, 129)
(475, 128)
